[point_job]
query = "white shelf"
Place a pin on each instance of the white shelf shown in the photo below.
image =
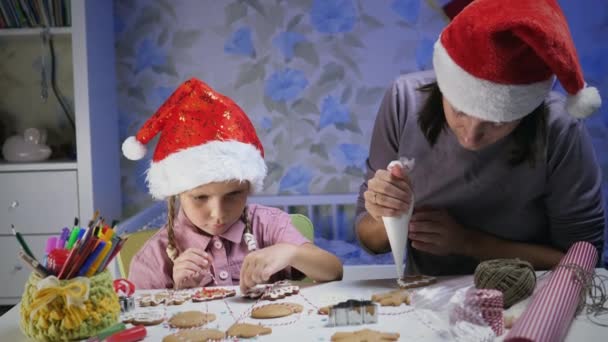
(33, 31)
(38, 166)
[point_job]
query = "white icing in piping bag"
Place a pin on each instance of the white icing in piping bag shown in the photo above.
(397, 226)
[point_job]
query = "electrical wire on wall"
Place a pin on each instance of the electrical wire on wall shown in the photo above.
(47, 41)
(48, 49)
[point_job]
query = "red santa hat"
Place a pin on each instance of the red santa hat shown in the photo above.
(204, 137)
(497, 60)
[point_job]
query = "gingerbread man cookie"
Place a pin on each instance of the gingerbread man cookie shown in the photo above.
(165, 297)
(413, 281)
(152, 299)
(364, 335)
(196, 335)
(275, 310)
(212, 293)
(246, 330)
(190, 319)
(392, 298)
(146, 318)
(275, 291)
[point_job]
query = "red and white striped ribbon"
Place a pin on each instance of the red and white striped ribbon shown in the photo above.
(552, 309)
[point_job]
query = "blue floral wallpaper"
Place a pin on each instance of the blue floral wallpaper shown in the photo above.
(310, 74)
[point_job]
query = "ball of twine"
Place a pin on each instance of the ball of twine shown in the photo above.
(513, 277)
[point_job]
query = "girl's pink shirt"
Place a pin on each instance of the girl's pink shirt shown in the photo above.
(151, 267)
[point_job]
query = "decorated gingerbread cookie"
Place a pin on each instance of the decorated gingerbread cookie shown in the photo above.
(413, 281)
(195, 335)
(364, 336)
(275, 310)
(190, 319)
(212, 293)
(392, 298)
(153, 299)
(147, 318)
(275, 291)
(164, 297)
(246, 330)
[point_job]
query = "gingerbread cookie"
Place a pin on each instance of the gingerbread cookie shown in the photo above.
(392, 298)
(275, 310)
(146, 318)
(275, 291)
(196, 335)
(191, 319)
(246, 330)
(152, 299)
(364, 335)
(413, 281)
(324, 310)
(177, 298)
(212, 293)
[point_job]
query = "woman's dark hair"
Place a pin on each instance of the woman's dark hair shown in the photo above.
(528, 137)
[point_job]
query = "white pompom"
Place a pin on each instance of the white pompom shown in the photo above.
(584, 103)
(133, 149)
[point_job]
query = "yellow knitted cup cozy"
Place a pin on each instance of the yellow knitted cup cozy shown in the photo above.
(62, 310)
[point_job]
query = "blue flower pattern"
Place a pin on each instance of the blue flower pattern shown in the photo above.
(285, 85)
(149, 55)
(296, 180)
(408, 10)
(286, 43)
(240, 43)
(160, 95)
(333, 16)
(266, 123)
(333, 112)
(326, 21)
(424, 54)
(354, 155)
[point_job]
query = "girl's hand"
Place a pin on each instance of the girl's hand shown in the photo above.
(190, 268)
(260, 265)
(389, 193)
(436, 232)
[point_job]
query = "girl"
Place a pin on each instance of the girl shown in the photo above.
(209, 159)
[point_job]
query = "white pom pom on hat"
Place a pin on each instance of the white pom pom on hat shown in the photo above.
(584, 103)
(133, 149)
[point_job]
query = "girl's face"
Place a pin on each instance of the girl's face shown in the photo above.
(472, 133)
(214, 207)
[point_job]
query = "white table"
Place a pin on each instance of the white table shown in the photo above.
(412, 323)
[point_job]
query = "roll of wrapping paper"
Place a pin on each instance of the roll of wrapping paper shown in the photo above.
(551, 311)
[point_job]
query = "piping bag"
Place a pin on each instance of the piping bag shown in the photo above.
(397, 226)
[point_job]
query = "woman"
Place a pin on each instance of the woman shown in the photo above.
(502, 168)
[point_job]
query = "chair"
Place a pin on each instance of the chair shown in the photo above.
(136, 240)
(304, 226)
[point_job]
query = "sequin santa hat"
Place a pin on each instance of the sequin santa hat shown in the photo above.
(204, 137)
(497, 60)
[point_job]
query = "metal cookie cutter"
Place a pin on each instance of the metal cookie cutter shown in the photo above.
(353, 312)
(126, 303)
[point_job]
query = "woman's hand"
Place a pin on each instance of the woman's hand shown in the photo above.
(191, 267)
(389, 193)
(260, 265)
(436, 232)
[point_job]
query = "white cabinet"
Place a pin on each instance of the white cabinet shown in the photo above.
(13, 272)
(39, 201)
(41, 198)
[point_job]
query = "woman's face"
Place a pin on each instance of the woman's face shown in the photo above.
(214, 207)
(472, 133)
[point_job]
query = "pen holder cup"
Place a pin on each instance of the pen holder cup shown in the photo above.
(63, 310)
